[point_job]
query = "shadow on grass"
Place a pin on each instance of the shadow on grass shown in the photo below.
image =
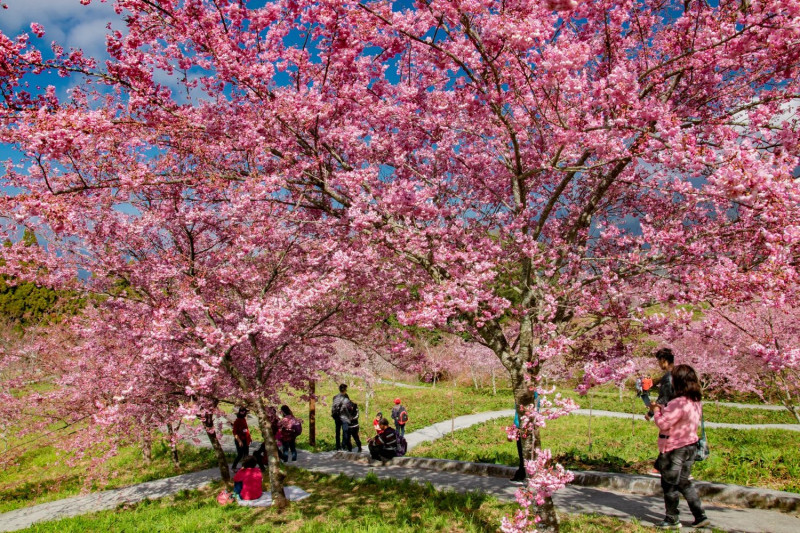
(577, 459)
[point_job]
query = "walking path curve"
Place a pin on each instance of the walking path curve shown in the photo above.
(766, 407)
(622, 496)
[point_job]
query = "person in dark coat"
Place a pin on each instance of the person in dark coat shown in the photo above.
(339, 413)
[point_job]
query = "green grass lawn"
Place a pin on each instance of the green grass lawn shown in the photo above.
(761, 458)
(337, 504)
(606, 398)
(425, 407)
(44, 474)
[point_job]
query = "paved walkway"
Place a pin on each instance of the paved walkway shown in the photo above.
(764, 406)
(403, 385)
(573, 499)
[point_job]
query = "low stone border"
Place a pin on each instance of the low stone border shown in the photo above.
(746, 497)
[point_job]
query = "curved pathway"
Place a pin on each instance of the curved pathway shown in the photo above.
(619, 501)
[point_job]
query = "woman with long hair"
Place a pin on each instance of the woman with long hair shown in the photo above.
(288, 433)
(677, 445)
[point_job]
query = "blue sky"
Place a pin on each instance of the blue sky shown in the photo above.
(67, 22)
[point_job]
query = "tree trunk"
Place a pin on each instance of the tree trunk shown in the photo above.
(516, 362)
(147, 447)
(312, 414)
(494, 384)
(222, 460)
(173, 446)
(276, 476)
(523, 396)
(474, 379)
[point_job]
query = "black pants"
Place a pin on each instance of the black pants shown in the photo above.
(356, 438)
(676, 467)
(520, 474)
(241, 453)
(342, 434)
(260, 456)
(379, 453)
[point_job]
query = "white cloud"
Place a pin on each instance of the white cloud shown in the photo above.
(66, 22)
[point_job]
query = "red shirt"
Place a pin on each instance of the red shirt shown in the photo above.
(241, 430)
(251, 483)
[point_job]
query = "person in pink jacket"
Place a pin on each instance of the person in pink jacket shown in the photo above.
(677, 444)
(247, 483)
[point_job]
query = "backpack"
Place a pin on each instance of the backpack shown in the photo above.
(297, 426)
(403, 418)
(402, 446)
(352, 411)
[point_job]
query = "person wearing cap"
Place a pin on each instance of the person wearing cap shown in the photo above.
(400, 417)
(241, 436)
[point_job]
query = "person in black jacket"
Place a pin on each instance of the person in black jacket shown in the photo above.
(383, 446)
(666, 392)
(341, 417)
(353, 412)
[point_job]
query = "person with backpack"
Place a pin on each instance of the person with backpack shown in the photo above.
(353, 412)
(383, 446)
(341, 418)
(241, 436)
(290, 428)
(400, 417)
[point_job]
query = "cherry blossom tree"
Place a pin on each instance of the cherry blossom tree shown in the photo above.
(531, 162)
(747, 348)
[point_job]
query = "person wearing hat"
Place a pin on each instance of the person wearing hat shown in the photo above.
(241, 436)
(400, 417)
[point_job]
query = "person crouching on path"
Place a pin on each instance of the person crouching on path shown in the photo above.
(241, 436)
(247, 483)
(677, 445)
(383, 446)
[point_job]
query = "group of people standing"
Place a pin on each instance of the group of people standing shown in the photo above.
(386, 443)
(285, 427)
